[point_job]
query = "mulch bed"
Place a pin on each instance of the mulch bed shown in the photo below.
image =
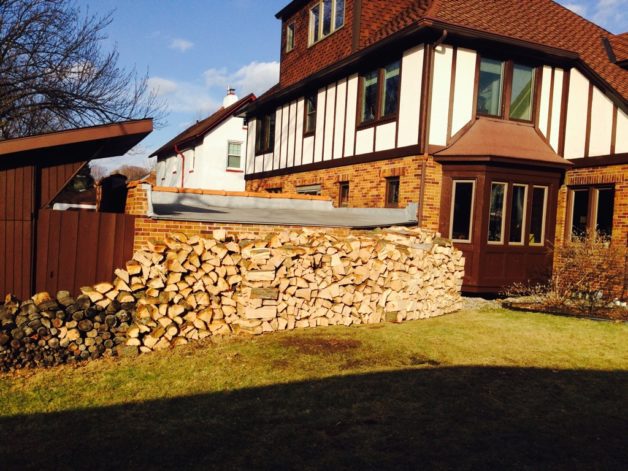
(605, 314)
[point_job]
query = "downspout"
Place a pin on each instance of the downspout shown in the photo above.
(180, 154)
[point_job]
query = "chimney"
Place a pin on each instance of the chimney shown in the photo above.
(230, 99)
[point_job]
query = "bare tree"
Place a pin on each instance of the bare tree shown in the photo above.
(54, 74)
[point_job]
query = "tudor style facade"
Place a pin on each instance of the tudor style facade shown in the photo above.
(510, 133)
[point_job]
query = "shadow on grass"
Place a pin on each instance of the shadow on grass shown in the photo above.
(423, 418)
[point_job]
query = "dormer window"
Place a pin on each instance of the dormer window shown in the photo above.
(326, 17)
(290, 37)
(505, 90)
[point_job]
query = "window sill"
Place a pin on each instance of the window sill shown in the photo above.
(375, 123)
(235, 170)
(312, 44)
(309, 134)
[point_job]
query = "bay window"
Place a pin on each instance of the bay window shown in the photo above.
(497, 213)
(326, 17)
(380, 93)
(505, 89)
(518, 214)
(537, 220)
(462, 210)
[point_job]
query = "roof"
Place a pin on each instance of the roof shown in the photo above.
(619, 49)
(490, 138)
(536, 24)
(95, 142)
(287, 210)
(201, 128)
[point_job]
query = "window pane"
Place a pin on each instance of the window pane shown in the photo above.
(392, 191)
(490, 88)
(496, 212)
(310, 114)
(521, 98)
(315, 23)
(344, 195)
(340, 14)
(233, 161)
(327, 4)
(537, 223)
(271, 133)
(517, 213)
(235, 148)
(369, 97)
(391, 89)
(580, 212)
(461, 216)
(290, 38)
(309, 190)
(605, 207)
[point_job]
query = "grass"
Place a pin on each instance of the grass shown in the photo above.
(470, 390)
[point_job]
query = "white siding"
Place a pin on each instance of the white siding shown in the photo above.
(285, 133)
(441, 84)
(308, 150)
(556, 105)
(292, 125)
(546, 83)
(341, 108)
(621, 140)
(410, 96)
(299, 133)
(364, 141)
(464, 89)
(577, 104)
(250, 155)
(330, 112)
(352, 103)
(601, 124)
(320, 123)
(277, 149)
(385, 137)
(259, 163)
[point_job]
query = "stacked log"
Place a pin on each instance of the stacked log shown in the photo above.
(47, 331)
(191, 288)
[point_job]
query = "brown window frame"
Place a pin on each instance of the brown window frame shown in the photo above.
(314, 97)
(506, 92)
(389, 181)
(592, 208)
(290, 44)
(260, 128)
(381, 78)
(474, 186)
(341, 202)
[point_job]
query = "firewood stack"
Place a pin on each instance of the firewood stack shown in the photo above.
(46, 331)
(190, 288)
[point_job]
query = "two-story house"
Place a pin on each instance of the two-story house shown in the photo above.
(506, 120)
(209, 154)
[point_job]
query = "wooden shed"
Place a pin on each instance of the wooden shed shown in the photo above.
(42, 249)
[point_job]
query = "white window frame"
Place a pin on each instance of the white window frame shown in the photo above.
(291, 28)
(544, 220)
(451, 213)
(229, 142)
(504, 209)
(524, 215)
(333, 27)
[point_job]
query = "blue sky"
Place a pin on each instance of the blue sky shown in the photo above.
(193, 49)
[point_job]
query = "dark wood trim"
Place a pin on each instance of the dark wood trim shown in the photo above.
(599, 161)
(296, 124)
(452, 89)
(302, 136)
(536, 100)
(315, 131)
(483, 159)
(426, 97)
(324, 124)
(476, 87)
(551, 107)
(408, 151)
(563, 113)
(614, 130)
(587, 133)
(357, 20)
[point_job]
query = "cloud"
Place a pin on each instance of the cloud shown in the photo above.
(160, 86)
(577, 8)
(256, 77)
(183, 97)
(611, 14)
(181, 45)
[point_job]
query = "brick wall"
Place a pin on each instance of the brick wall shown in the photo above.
(617, 175)
(136, 200)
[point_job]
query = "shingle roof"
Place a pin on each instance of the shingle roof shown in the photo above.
(204, 126)
(619, 45)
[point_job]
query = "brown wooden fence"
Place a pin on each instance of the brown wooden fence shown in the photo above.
(79, 248)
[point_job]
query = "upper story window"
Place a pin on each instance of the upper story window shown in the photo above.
(380, 93)
(326, 17)
(234, 154)
(290, 37)
(505, 90)
(309, 125)
(265, 134)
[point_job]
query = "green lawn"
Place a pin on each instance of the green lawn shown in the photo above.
(470, 390)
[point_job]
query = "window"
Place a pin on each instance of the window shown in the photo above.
(538, 210)
(314, 190)
(310, 114)
(274, 190)
(497, 212)
(380, 93)
(290, 37)
(462, 211)
(496, 79)
(326, 17)
(518, 214)
(392, 192)
(265, 134)
(343, 195)
(592, 210)
(234, 154)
